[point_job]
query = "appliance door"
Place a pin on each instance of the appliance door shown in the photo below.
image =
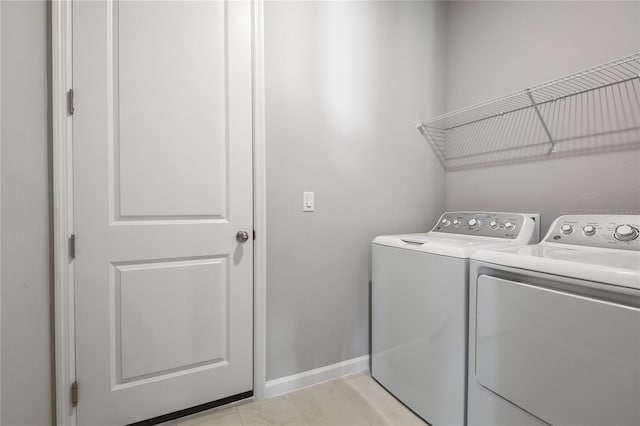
(567, 359)
(419, 304)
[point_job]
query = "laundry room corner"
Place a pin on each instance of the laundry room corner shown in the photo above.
(510, 46)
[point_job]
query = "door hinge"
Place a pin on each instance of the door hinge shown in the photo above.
(70, 107)
(72, 246)
(254, 235)
(74, 394)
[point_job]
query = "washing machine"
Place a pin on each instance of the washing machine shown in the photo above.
(554, 328)
(419, 308)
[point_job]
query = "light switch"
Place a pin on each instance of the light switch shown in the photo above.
(308, 204)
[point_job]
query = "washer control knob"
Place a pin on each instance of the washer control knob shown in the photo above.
(474, 223)
(456, 222)
(509, 226)
(589, 230)
(494, 225)
(445, 222)
(566, 229)
(625, 233)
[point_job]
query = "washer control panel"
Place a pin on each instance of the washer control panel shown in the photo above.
(606, 231)
(497, 225)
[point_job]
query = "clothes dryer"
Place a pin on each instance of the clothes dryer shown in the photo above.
(419, 308)
(554, 332)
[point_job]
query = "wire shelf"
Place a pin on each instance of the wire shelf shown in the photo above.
(592, 111)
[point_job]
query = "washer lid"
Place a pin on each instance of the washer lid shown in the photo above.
(609, 266)
(453, 246)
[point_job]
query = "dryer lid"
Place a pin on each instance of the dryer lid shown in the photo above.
(460, 234)
(452, 246)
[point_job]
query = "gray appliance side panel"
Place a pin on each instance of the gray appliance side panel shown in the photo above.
(419, 306)
(565, 352)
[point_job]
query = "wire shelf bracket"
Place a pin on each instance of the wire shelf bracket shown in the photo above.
(544, 125)
(593, 111)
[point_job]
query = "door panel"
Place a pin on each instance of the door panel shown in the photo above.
(162, 183)
(169, 67)
(187, 300)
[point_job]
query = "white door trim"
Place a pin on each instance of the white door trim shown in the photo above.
(61, 43)
(259, 207)
(63, 209)
(0, 211)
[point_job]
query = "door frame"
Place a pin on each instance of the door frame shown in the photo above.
(62, 66)
(0, 210)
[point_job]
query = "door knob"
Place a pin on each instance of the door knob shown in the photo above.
(242, 236)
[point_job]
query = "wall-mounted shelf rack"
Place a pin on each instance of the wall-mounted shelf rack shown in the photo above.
(596, 110)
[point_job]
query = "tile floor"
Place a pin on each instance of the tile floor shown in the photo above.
(355, 400)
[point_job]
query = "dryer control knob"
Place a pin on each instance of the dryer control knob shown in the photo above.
(589, 230)
(445, 222)
(456, 222)
(566, 229)
(509, 226)
(494, 225)
(625, 233)
(474, 223)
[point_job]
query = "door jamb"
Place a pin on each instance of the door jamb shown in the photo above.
(259, 207)
(0, 210)
(62, 212)
(61, 45)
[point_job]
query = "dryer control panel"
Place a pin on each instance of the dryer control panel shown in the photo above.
(483, 224)
(605, 231)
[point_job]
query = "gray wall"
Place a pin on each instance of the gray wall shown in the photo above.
(345, 82)
(494, 48)
(26, 363)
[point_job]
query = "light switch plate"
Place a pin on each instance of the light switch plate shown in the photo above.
(308, 202)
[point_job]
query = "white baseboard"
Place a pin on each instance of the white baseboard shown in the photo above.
(313, 377)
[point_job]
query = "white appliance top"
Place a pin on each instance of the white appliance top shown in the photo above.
(601, 248)
(459, 234)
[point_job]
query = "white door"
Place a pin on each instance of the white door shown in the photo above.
(162, 140)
